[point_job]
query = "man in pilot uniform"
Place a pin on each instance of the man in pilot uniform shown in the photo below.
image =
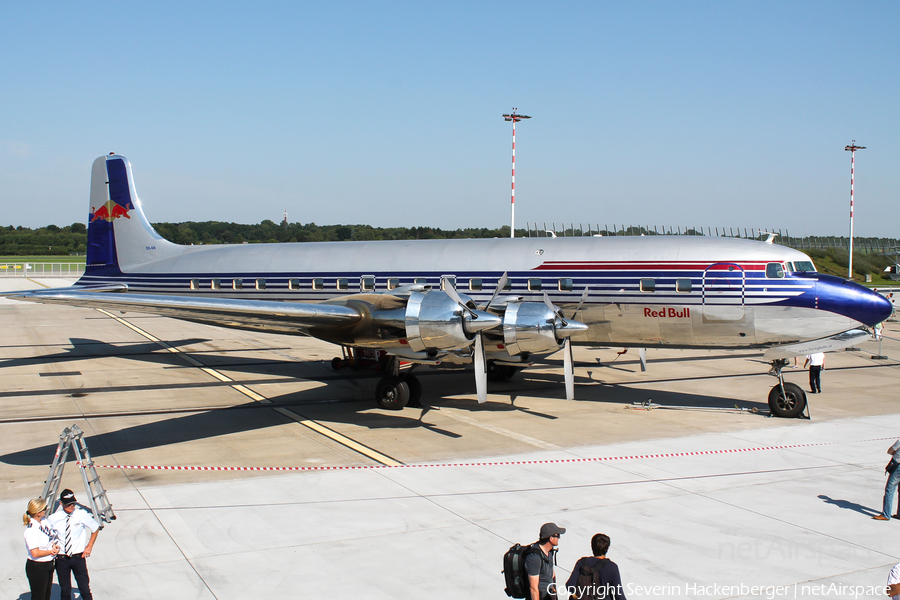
(77, 531)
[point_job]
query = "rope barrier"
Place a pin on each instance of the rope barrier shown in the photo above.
(558, 461)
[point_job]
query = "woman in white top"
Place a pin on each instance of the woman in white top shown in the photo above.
(40, 542)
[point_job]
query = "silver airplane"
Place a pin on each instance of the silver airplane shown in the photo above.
(493, 303)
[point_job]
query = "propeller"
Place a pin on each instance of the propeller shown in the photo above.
(488, 321)
(568, 359)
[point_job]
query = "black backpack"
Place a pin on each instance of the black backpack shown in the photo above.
(590, 585)
(514, 571)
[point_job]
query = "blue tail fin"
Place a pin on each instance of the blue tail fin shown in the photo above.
(119, 236)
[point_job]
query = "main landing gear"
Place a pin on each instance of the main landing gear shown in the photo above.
(395, 391)
(786, 400)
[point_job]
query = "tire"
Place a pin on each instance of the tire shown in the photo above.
(497, 372)
(788, 404)
(391, 393)
(337, 364)
(415, 391)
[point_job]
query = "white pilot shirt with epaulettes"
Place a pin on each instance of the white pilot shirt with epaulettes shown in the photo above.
(39, 536)
(80, 521)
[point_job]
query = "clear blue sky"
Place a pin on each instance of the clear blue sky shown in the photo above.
(389, 113)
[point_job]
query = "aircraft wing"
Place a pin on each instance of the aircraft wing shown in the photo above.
(288, 317)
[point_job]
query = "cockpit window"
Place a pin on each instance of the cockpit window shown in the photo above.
(774, 271)
(804, 266)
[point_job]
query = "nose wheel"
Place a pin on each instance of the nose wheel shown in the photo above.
(786, 400)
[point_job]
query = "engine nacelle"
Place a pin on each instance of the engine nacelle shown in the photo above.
(434, 321)
(530, 327)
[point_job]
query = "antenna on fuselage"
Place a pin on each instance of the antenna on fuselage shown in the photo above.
(771, 236)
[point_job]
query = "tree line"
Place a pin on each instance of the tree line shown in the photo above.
(70, 240)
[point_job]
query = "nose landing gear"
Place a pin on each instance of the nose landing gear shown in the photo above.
(786, 400)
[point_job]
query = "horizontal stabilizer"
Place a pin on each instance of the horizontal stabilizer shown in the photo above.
(106, 287)
(835, 342)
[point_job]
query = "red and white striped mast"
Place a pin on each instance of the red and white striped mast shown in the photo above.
(515, 118)
(852, 148)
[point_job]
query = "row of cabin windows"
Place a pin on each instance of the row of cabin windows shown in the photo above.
(681, 285)
(367, 284)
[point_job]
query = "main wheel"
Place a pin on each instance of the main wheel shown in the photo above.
(337, 363)
(415, 391)
(497, 372)
(392, 393)
(788, 403)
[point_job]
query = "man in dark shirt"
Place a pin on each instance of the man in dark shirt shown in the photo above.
(608, 586)
(539, 562)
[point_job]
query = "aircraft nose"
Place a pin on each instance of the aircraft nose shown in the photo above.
(852, 300)
(883, 308)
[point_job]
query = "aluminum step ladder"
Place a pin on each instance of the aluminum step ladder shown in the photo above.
(73, 438)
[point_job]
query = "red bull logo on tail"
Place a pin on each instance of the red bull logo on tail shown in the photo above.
(109, 212)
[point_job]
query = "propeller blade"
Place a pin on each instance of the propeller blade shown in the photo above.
(581, 302)
(450, 290)
(480, 370)
(500, 285)
(569, 367)
(556, 311)
(642, 354)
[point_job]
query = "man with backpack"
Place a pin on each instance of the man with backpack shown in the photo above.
(539, 563)
(596, 577)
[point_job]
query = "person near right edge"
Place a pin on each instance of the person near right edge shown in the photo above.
(890, 488)
(893, 583)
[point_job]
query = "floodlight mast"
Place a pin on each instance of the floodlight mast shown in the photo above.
(515, 118)
(852, 148)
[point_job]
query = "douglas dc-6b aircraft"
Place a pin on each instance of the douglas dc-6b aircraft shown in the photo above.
(523, 297)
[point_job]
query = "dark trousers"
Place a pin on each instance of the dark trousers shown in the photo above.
(40, 578)
(77, 566)
(815, 384)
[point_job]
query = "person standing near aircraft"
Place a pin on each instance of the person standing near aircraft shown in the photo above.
(71, 525)
(890, 488)
(816, 362)
(596, 576)
(40, 542)
(893, 583)
(539, 562)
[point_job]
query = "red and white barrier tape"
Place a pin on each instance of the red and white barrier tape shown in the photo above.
(557, 461)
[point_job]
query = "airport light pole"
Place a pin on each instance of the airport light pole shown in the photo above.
(515, 118)
(852, 148)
